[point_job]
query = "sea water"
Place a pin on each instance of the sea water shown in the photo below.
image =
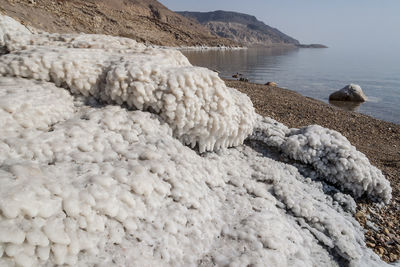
(317, 73)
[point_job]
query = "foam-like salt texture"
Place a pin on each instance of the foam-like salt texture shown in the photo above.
(337, 161)
(28, 105)
(194, 101)
(116, 183)
(89, 184)
(9, 27)
(330, 153)
(22, 40)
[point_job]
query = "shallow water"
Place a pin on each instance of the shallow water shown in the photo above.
(317, 73)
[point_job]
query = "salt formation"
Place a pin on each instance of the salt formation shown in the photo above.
(31, 105)
(85, 182)
(194, 101)
(9, 26)
(108, 185)
(22, 40)
(337, 161)
(331, 155)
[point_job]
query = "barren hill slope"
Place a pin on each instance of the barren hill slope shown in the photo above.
(143, 20)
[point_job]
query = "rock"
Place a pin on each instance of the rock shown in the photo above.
(360, 216)
(386, 231)
(392, 257)
(371, 245)
(381, 250)
(351, 92)
(272, 84)
(237, 75)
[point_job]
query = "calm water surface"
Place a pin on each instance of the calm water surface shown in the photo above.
(317, 73)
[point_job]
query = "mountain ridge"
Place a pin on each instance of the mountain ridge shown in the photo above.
(243, 28)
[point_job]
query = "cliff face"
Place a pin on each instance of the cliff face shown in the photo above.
(143, 20)
(240, 27)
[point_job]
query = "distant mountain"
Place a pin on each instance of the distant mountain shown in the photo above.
(241, 28)
(144, 20)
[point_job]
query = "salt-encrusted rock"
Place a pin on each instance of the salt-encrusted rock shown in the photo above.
(351, 92)
(9, 27)
(194, 101)
(330, 154)
(269, 131)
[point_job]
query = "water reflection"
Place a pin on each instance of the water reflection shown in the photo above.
(254, 63)
(315, 73)
(351, 106)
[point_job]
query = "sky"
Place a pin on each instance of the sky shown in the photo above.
(360, 24)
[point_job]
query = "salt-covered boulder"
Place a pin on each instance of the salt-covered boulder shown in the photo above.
(331, 155)
(194, 101)
(351, 92)
(9, 26)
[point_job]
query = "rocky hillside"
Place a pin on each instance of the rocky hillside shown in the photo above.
(144, 20)
(240, 27)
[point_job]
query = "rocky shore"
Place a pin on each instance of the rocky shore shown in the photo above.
(377, 139)
(118, 153)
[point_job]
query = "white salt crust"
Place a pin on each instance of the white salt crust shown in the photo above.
(8, 27)
(194, 101)
(109, 186)
(331, 155)
(84, 184)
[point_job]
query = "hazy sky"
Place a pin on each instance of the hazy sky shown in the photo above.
(337, 23)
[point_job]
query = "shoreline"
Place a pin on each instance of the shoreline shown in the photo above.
(379, 140)
(204, 48)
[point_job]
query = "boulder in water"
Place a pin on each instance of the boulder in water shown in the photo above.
(351, 92)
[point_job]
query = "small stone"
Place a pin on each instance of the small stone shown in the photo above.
(371, 245)
(381, 250)
(386, 231)
(393, 257)
(272, 84)
(359, 215)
